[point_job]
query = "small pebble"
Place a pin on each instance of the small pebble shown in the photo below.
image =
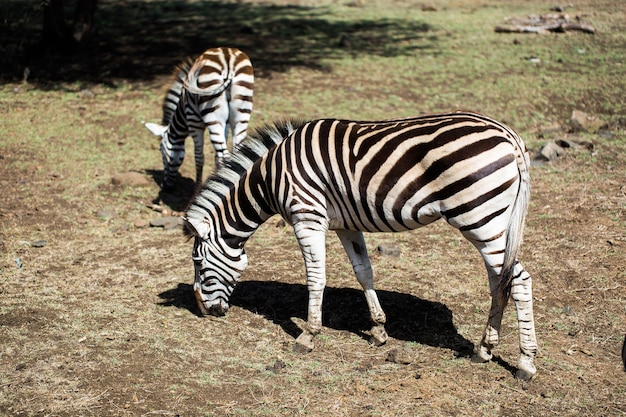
(140, 223)
(403, 356)
(386, 249)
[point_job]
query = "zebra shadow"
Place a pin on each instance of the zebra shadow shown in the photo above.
(178, 199)
(409, 318)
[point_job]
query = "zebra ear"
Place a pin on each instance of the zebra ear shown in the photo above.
(156, 129)
(196, 227)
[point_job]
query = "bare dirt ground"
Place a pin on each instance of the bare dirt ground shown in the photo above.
(101, 319)
(97, 317)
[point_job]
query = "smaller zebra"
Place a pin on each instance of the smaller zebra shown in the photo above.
(214, 92)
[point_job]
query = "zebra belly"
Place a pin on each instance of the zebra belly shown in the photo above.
(364, 220)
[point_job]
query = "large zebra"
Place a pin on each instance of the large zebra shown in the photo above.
(214, 92)
(385, 176)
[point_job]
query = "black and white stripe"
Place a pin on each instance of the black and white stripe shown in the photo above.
(214, 92)
(384, 176)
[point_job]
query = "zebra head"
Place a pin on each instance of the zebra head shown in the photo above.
(217, 267)
(172, 152)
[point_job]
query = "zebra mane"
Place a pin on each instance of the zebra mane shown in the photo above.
(172, 97)
(244, 155)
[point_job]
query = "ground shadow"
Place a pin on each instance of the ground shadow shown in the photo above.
(409, 318)
(139, 39)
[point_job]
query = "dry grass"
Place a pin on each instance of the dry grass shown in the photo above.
(100, 321)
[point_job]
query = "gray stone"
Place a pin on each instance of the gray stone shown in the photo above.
(387, 249)
(583, 122)
(131, 179)
(167, 222)
(140, 223)
(403, 356)
(550, 152)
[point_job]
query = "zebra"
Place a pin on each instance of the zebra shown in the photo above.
(214, 92)
(370, 176)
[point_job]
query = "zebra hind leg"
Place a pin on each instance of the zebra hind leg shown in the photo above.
(312, 243)
(491, 335)
(354, 245)
(198, 144)
(522, 294)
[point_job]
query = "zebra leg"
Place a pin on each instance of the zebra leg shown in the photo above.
(173, 153)
(493, 254)
(354, 245)
(198, 145)
(240, 111)
(491, 336)
(522, 294)
(216, 120)
(312, 243)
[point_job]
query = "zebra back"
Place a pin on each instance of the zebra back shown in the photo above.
(214, 70)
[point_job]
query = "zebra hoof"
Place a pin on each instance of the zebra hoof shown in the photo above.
(524, 375)
(379, 336)
(526, 369)
(304, 343)
(478, 357)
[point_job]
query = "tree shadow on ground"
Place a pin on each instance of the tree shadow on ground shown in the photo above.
(409, 318)
(139, 40)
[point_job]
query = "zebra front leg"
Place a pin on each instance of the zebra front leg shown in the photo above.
(173, 153)
(312, 243)
(522, 293)
(354, 245)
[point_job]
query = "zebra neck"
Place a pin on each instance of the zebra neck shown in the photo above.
(232, 211)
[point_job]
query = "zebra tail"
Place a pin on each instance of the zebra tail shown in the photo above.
(193, 88)
(515, 230)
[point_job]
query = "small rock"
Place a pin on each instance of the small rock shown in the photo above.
(140, 223)
(167, 222)
(403, 356)
(549, 129)
(131, 179)
(276, 367)
(386, 249)
(583, 122)
(550, 152)
(38, 243)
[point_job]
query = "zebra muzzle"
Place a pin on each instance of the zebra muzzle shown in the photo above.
(218, 308)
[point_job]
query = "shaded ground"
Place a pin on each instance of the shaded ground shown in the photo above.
(278, 36)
